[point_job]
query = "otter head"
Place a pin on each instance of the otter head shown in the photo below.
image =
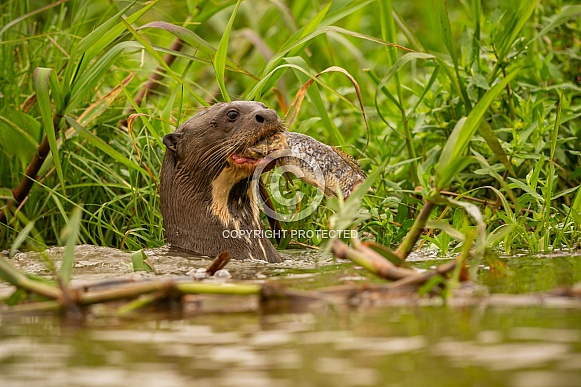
(206, 179)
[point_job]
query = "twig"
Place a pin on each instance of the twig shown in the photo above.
(219, 262)
(370, 260)
(421, 278)
(126, 292)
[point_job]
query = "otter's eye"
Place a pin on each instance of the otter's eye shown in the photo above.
(232, 115)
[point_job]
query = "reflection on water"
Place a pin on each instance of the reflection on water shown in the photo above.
(398, 346)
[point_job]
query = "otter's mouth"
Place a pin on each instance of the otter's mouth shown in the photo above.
(256, 153)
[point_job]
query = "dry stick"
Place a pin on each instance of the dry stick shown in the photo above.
(219, 262)
(421, 278)
(34, 307)
(125, 292)
(21, 192)
(414, 233)
(380, 261)
(384, 252)
(166, 286)
(380, 267)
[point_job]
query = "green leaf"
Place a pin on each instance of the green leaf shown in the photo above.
(403, 60)
(485, 130)
(343, 218)
(567, 13)
(388, 32)
(195, 41)
(70, 234)
(479, 81)
(29, 14)
(99, 143)
(504, 201)
(100, 38)
(446, 32)
(311, 26)
(19, 240)
(16, 140)
(499, 234)
(41, 87)
(457, 143)
(514, 26)
(429, 85)
(527, 189)
(85, 84)
(551, 167)
(162, 63)
(440, 225)
(139, 262)
(220, 59)
(576, 206)
(510, 33)
(274, 60)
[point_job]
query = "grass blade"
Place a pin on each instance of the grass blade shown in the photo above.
(220, 58)
(162, 63)
(29, 14)
(41, 87)
(510, 33)
(99, 143)
(463, 132)
(100, 38)
(70, 234)
(197, 42)
(485, 130)
(19, 240)
(446, 30)
(565, 15)
(551, 166)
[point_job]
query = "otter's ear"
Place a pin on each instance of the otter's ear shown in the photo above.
(171, 141)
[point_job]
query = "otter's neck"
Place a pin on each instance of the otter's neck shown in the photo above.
(216, 217)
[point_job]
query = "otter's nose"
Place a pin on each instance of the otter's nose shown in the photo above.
(267, 115)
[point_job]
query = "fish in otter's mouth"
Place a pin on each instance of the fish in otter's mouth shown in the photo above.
(259, 151)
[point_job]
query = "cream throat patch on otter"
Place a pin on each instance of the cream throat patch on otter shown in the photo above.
(221, 187)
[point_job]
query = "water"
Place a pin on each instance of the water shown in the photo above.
(469, 344)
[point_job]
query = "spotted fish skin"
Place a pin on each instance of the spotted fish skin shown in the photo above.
(263, 148)
(336, 169)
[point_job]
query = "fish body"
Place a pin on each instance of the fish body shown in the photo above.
(326, 167)
(323, 166)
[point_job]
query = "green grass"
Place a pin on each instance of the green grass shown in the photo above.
(487, 105)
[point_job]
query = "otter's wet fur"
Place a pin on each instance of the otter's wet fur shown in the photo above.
(205, 194)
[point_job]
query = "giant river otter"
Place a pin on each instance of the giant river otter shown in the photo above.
(206, 181)
(207, 184)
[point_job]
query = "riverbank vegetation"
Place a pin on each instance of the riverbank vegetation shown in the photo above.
(475, 100)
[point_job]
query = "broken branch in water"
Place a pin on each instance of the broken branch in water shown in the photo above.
(219, 262)
(380, 266)
(370, 260)
(418, 279)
